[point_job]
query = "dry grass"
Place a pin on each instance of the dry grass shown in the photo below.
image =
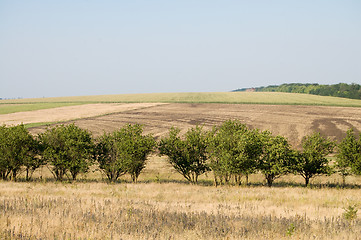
(163, 206)
(173, 211)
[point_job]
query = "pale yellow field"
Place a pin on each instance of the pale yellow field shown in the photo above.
(205, 97)
(98, 210)
(67, 113)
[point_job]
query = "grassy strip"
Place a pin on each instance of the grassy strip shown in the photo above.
(220, 97)
(268, 98)
(38, 124)
(6, 108)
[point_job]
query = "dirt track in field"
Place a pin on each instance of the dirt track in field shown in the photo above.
(293, 122)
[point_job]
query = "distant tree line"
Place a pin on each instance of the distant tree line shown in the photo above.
(343, 90)
(232, 151)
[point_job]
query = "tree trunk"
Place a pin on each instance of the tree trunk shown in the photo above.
(215, 180)
(27, 174)
(74, 176)
(14, 175)
(269, 180)
(134, 178)
(307, 180)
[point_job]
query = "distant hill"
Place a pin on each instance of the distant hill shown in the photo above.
(343, 90)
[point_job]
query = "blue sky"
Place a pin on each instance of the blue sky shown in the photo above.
(88, 47)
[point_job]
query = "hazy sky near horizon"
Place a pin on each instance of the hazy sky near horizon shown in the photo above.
(88, 47)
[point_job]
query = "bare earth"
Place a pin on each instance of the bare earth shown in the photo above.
(293, 122)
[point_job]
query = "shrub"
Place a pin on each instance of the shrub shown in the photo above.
(124, 151)
(17, 148)
(189, 155)
(67, 148)
(233, 149)
(312, 161)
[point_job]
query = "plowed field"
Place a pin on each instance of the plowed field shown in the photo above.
(291, 121)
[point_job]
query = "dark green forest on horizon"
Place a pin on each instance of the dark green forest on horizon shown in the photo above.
(343, 90)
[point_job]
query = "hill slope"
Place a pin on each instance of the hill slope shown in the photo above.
(270, 98)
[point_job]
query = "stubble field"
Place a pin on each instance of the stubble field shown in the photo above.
(163, 205)
(293, 122)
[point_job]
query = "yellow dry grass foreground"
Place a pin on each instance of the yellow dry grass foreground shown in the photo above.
(173, 211)
(163, 206)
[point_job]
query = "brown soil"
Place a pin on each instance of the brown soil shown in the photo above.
(293, 122)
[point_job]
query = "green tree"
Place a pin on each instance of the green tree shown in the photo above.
(17, 147)
(67, 148)
(277, 157)
(233, 150)
(348, 151)
(189, 155)
(312, 161)
(5, 154)
(34, 160)
(133, 148)
(124, 151)
(349, 154)
(106, 155)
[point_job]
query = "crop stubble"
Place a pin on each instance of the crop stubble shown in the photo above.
(293, 122)
(130, 211)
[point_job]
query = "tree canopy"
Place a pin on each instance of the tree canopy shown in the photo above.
(344, 90)
(188, 155)
(124, 151)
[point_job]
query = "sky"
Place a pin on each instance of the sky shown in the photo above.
(89, 47)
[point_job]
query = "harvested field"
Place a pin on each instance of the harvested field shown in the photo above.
(275, 98)
(68, 113)
(293, 122)
(173, 211)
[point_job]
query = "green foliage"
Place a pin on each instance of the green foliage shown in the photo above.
(277, 157)
(106, 155)
(189, 155)
(343, 90)
(17, 148)
(67, 148)
(312, 161)
(291, 230)
(124, 151)
(234, 150)
(349, 155)
(350, 212)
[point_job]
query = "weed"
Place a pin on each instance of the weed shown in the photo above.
(350, 212)
(290, 230)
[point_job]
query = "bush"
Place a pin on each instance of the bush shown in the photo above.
(123, 151)
(189, 155)
(312, 161)
(234, 150)
(17, 148)
(67, 149)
